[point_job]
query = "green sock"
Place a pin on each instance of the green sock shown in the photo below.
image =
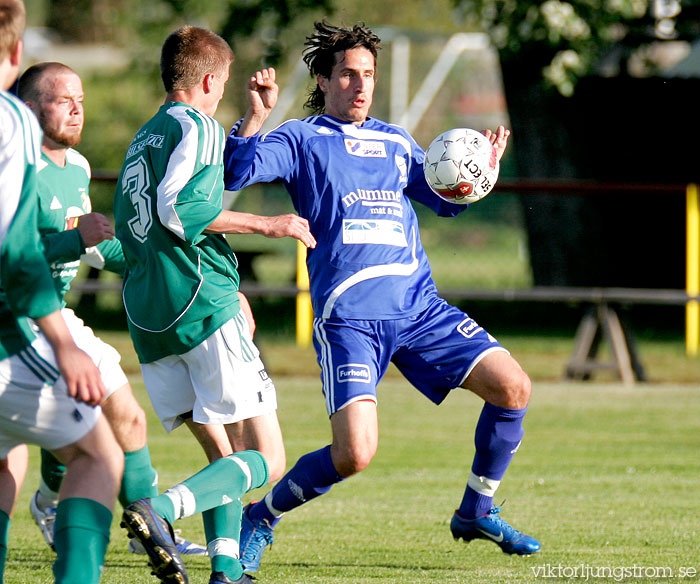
(140, 479)
(81, 538)
(4, 533)
(222, 527)
(223, 481)
(52, 471)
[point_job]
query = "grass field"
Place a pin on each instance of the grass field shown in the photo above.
(606, 478)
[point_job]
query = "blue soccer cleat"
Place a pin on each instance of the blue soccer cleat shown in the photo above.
(158, 539)
(221, 578)
(256, 535)
(491, 527)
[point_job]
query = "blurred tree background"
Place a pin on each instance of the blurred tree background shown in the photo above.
(587, 86)
(542, 44)
(122, 92)
(592, 91)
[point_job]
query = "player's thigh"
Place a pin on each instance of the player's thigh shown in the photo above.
(355, 436)
(35, 407)
(212, 438)
(126, 417)
(261, 433)
(99, 445)
(353, 356)
(94, 465)
(440, 348)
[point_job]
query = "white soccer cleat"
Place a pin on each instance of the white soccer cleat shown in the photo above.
(44, 518)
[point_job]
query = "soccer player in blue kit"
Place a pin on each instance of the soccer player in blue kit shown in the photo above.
(372, 292)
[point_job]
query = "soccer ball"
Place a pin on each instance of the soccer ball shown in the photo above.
(461, 166)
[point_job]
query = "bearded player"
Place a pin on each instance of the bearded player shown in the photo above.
(48, 387)
(71, 232)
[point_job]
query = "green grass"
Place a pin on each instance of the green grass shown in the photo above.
(606, 477)
(543, 357)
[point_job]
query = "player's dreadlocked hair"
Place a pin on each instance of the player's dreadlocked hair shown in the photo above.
(321, 47)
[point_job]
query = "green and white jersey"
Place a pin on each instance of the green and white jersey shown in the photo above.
(181, 283)
(63, 197)
(26, 288)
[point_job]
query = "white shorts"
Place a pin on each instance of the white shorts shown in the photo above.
(105, 357)
(34, 404)
(221, 381)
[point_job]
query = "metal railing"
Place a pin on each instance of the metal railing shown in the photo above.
(688, 297)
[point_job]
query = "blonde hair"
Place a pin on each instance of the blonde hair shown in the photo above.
(13, 18)
(189, 54)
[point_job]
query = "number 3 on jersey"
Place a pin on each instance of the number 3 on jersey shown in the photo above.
(135, 183)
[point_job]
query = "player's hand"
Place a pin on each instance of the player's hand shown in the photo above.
(80, 374)
(94, 228)
(289, 225)
(499, 140)
(262, 91)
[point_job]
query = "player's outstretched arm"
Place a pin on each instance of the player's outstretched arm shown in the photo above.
(262, 92)
(499, 139)
(77, 369)
(288, 225)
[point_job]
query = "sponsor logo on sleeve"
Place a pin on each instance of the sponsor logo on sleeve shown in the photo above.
(357, 372)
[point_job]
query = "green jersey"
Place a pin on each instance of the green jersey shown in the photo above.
(63, 197)
(181, 283)
(26, 288)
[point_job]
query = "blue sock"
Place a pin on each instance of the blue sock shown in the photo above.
(312, 476)
(497, 438)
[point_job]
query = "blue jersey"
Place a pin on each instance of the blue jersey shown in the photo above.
(353, 184)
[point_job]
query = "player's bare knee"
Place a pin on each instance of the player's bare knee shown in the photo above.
(276, 465)
(517, 390)
(352, 460)
(139, 425)
(130, 427)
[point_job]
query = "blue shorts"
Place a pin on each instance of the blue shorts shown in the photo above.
(435, 351)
